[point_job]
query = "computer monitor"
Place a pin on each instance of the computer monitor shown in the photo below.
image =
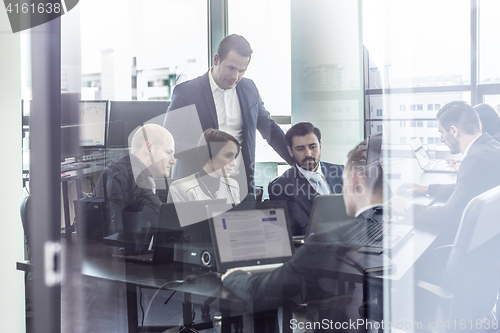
(93, 116)
(125, 117)
(70, 129)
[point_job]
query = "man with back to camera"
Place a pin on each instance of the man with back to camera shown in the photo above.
(127, 183)
(316, 258)
(226, 101)
(307, 178)
(461, 131)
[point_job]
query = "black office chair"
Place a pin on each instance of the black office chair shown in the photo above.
(469, 283)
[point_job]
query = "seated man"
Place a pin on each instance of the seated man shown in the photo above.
(316, 258)
(461, 131)
(127, 183)
(307, 178)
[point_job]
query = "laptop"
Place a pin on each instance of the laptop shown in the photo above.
(325, 209)
(329, 219)
(172, 229)
(425, 162)
(255, 236)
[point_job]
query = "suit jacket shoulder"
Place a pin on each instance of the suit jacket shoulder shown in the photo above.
(478, 173)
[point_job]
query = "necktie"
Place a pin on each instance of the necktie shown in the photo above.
(321, 186)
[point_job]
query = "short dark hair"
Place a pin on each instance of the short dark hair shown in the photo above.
(373, 174)
(301, 129)
(461, 115)
(234, 42)
(489, 118)
(207, 151)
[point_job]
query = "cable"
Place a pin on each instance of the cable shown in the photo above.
(140, 304)
(170, 297)
(302, 298)
(189, 278)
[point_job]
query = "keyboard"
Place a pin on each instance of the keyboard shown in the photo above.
(74, 166)
(373, 234)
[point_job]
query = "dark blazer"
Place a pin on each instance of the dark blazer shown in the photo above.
(296, 190)
(478, 172)
(182, 124)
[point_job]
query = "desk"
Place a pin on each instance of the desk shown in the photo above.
(407, 170)
(97, 262)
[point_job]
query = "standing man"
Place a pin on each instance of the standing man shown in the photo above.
(224, 100)
(460, 130)
(308, 176)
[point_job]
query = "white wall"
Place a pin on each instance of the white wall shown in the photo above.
(11, 244)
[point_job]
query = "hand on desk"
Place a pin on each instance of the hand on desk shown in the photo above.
(455, 164)
(229, 271)
(409, 189)
(397, 206)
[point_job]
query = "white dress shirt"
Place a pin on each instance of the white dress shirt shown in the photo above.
(228, 109)
(470, 144)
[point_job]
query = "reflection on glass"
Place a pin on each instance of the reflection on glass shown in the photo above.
(405, 41)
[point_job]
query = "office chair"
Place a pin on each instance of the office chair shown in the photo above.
(467, 288)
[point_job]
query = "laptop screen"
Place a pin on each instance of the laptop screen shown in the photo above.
(420, 152)
(251, 234)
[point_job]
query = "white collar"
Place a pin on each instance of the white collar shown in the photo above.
(470, 144)
(308, 174)
(367, 209)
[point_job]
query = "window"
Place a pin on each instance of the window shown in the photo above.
(402, 123)
(379, 112)
(379, 128)
(414, 79)
(109, 42)
(273, 33)
(434, 140)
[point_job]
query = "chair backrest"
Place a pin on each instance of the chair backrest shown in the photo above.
(472, 270)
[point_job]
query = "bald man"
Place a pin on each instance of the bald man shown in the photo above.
(127, 183)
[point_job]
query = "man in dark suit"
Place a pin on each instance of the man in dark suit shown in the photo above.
(316, 259)
(461, 131)
(224, 100)
(307, 178)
